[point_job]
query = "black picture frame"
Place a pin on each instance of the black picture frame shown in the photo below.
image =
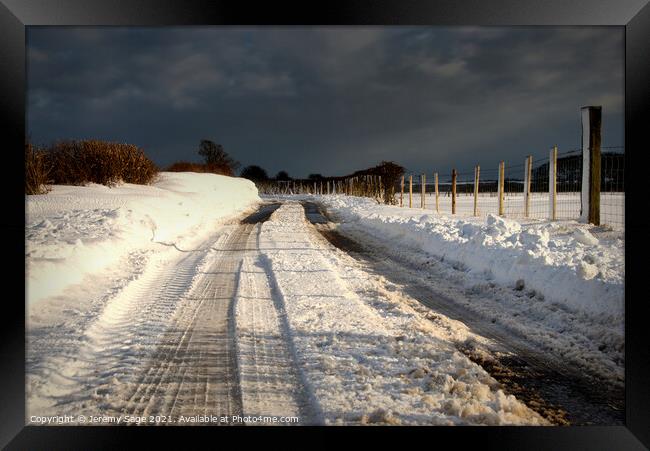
(634, 15)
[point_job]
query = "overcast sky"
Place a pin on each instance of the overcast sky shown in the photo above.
(327, 99)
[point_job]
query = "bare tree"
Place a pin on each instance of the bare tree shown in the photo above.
(215, 156)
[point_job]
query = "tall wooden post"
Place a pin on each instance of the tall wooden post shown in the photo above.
(410, 191)
(423, 182)
(477, 176)
(500, 188)
(552, 184)
(453, 191)
(401, 194)
(591, 138)
(435, 184)
(528, 172)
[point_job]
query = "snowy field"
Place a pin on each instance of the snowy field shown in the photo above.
(612, 205)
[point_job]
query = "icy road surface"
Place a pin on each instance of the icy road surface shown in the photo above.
(266, 317)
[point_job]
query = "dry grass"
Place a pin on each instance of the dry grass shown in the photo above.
(93, 161)
(36, 171)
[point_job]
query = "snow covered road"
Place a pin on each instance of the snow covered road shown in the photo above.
(264, 318)
(166, 347)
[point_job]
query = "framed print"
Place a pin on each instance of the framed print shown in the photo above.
(412, 216)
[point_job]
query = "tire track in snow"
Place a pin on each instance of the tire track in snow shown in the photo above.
(225, 353)
(166, 344)
(269, 376)
(194, 369)
(79, 378)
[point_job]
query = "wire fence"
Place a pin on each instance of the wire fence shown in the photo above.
(525, 188)
(586, 184)
(547, 188)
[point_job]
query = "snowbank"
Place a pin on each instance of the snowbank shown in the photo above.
(564, 261)
(74, 231)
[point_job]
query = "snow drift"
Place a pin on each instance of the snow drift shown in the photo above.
(78, 230)
(564, 261)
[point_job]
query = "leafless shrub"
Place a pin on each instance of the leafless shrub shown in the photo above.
(93, 161)
(36, 170)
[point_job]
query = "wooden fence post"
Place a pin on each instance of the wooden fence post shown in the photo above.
(401, 194)
(423, 183)
(502, 170)
(528, 172)
(435, 184)
(552, 184)
(591, 137)
(453, 191)
(410, 191)
(477, 176)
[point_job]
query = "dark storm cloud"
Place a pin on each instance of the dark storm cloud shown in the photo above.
(327, 100)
